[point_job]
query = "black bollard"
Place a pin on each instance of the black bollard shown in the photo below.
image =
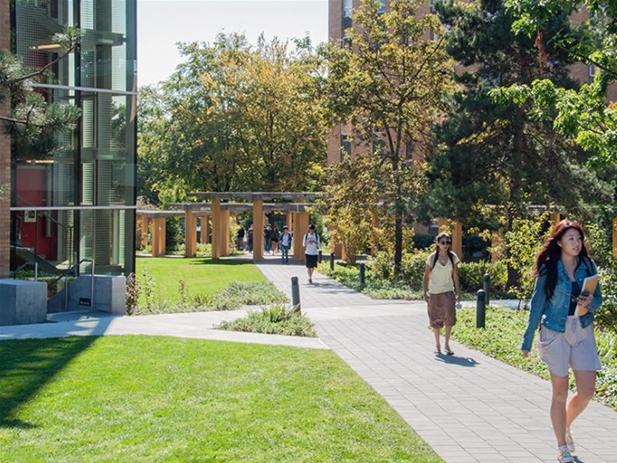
(295, 294)
(332, 262)
(362, 275)
(486, 284)
(320, 256)
(480, 309)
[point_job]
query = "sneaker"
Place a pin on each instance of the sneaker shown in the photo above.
(564, 455)
(570, 441)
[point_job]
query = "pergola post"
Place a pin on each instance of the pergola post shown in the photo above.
(190, 234)
(289, 220)
(158, 236)
(216, 228)
(225, 232)
(301, 223)
(442, 224)
(139, 230)
(204, 235)
(457, 239)
(258, 229)
(555, 218)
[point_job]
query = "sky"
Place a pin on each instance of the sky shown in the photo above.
(163, 23)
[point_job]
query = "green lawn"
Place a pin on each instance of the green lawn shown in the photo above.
(202, 276)
(134, 399)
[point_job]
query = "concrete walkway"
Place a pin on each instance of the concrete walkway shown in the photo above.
(468, 407)
(198, 325)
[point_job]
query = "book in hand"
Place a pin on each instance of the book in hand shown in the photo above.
(589, 287)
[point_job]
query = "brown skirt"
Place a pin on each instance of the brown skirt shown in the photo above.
(441, 309)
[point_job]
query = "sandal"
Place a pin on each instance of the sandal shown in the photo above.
(449, 351)
(437, 352)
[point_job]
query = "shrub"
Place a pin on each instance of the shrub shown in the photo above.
(472, 276)
(423, 240)
(273, 320)
(412, 268)
(242, 293)
(132, 294)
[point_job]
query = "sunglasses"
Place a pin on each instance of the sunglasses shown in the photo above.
(445, 241)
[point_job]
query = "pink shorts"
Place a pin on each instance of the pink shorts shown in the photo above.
(576, 348)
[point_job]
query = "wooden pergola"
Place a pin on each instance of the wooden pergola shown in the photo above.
(219, 207)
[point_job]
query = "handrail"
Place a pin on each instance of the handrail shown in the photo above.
(29, 205)
(24, 265)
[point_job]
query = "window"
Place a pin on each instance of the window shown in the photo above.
(346, 20)
(345, 146)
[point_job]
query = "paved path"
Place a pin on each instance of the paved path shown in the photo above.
(469, 407)
(185, 325)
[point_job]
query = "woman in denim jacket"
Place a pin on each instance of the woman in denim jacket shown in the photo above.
(565, 340)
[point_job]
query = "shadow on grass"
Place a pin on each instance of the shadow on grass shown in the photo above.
(27, 365)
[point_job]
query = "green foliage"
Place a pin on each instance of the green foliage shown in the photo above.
(390, 86)
(235, 117)
(471, 276)
(502, 337)
(273, 320)
(239, 293)
(523, 241)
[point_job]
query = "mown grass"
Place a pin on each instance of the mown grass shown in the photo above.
(202, 277)
(501, 339)
(145, 399)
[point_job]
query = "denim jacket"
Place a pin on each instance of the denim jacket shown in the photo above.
(553, 312)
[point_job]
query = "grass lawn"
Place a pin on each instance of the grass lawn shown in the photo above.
(134, 399)
(202, 276)
(501, 339)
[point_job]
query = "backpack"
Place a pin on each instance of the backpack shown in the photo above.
(450, 255)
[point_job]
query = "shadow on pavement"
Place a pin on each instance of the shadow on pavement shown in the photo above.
(455, 360)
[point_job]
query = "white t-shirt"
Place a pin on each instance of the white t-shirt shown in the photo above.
(310, 242)
(286, 239)
(440, 280)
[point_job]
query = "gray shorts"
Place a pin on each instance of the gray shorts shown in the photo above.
(575, 348)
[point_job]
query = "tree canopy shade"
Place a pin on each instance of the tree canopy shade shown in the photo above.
(235, 117)
(492, 152)
(390, 84)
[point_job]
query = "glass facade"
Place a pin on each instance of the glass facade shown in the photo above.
(81, 193)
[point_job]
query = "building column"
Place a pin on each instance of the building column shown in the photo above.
(190, 234)
(258, 229)
(457, 239)
(216, 228)
(5, 153)
(205, 229)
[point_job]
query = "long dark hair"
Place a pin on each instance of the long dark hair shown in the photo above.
(450, 253)
(546, 261)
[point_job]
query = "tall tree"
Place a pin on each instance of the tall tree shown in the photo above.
(237, 117)
(494, 154)
(390, 84)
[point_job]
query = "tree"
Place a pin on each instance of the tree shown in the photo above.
(493, 160)
(390, 84)
(581, 115)
(236, 117)
(32, 122)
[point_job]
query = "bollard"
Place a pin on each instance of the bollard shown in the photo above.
(486, 283)
(480, 309)
(320, 256)
(295, 294)
(332, 262)
(362, 275)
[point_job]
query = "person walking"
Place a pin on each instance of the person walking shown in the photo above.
(267, 236)
(564, 315)
(285, 243)
(249, 238)
(442, 290)
(310, 243)
(274, 237)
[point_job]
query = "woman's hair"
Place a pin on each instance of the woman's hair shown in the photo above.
(547, 258)
(450, 253)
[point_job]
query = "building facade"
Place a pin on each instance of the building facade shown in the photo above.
(73, 208)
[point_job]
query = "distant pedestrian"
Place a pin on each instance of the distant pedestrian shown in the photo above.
(285, 243)
(442, 290)
(565, 316)
(240, 239)
(310, 243)
(274, 237)
(267, 235)
(249, 238)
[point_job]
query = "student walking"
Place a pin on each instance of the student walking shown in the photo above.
(285, 243)
(310, 243)
(274, 237)
(565, 318)
(442, 290)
